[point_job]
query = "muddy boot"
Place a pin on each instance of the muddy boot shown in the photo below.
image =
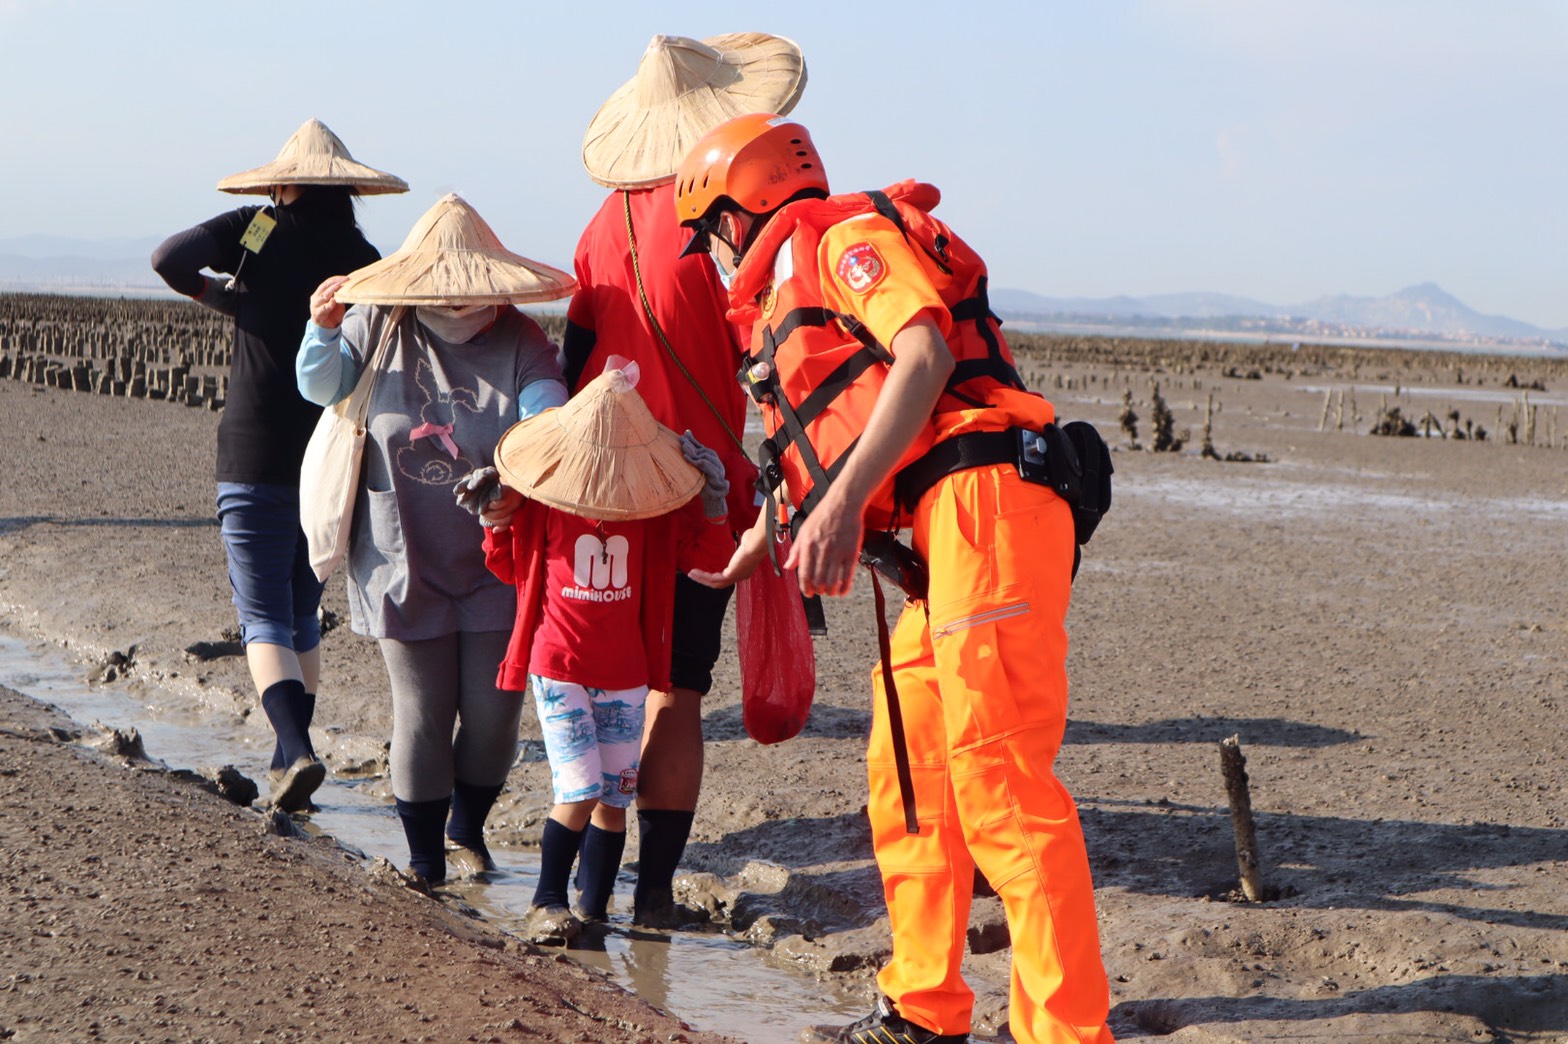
(882, 1026)
(465, 864)
(466, 854)
(662, 837)
(423, 823)
(551, 926)
(291, 790)
(284, 703)
(659, 909)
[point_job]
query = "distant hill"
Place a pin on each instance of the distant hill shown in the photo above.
(57, 264)
(1424, 309)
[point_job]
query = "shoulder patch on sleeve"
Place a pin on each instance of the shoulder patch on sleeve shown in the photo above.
(860, 267)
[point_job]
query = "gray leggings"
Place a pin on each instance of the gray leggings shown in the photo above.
(439, 683)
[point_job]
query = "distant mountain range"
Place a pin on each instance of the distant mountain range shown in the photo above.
(1422, 311)
(56, 264)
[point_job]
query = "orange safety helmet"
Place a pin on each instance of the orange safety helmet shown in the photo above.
(757, 162)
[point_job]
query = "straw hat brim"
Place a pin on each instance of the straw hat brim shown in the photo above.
(544, 461)
(257, 182)
(453, 257)
(313, 155)
(633, 145)
(456, 277)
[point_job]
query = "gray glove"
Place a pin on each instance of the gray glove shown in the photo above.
(476, 489)
(215, 294)
(706, 461)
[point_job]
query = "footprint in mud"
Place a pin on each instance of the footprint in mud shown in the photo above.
(204, 651)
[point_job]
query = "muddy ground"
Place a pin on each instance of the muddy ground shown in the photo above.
(1380, 620)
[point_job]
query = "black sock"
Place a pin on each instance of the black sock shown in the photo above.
(471, 805)
(423, 825)
(601, 861)
(283, 702)
(304, 710)
(662, 834)
(557, 849)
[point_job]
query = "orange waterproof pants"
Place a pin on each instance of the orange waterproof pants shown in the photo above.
(982, 685)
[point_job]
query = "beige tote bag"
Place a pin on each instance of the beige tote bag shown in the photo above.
(329, 474)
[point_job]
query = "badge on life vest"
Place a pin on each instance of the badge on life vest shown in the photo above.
(770, 299)
(860, 267)
(256, 234)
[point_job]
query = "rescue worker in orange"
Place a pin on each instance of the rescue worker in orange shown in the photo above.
(890, 399)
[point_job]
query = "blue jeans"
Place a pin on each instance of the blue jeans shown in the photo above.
(275, 590)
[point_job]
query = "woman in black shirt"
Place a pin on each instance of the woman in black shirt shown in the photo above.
(276, 256)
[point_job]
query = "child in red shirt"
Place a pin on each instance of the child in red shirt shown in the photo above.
(615, 505)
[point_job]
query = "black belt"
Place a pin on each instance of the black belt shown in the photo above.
(972, 450)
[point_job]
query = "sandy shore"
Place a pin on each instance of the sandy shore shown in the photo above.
(1380, 620)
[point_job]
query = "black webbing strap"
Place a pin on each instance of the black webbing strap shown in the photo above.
(972, 450)
(794, 418)
(895, 716)
(793, 428)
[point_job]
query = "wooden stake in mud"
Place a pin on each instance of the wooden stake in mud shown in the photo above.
(1328, 395)
(1234, 767)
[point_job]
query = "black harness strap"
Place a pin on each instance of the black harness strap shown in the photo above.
(971, 450)
(895, 715)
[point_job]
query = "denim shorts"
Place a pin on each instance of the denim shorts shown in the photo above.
(275, 590)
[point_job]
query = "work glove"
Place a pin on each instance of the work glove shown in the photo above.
(477, 489)
(217, 295)
(707, 461)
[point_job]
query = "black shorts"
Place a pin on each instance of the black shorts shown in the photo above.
(696, 636)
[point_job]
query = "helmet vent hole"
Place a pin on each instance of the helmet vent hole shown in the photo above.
(805, 166)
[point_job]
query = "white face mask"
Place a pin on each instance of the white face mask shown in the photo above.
(726, 276)
(456, 325)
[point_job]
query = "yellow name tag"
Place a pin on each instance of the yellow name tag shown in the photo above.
(261, 227)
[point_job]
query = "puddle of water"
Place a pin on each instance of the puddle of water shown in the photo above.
(1496, 394)
(1259, 495)
(712, 981)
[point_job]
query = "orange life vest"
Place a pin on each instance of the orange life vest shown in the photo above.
(816, 373)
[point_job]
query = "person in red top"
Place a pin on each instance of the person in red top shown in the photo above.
(636, 297)
(593, 552)
(890, 398)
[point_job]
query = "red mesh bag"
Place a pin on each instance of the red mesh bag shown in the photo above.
(778, 669)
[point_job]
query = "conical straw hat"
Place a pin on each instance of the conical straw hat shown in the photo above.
(313, 156)
(601, 456)
(453, 258)
(683, 89)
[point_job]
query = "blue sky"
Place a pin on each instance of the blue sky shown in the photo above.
(1277, 150)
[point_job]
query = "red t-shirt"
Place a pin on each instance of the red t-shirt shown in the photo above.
(590, 630)
(685, 294)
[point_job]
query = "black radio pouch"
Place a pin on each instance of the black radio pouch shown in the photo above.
(897, 563)
(1075, 461)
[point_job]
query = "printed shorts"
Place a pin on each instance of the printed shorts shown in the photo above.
(593, 737)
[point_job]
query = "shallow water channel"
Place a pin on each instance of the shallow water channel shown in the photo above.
(710, 980)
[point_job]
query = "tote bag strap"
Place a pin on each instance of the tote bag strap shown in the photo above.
(357, 405)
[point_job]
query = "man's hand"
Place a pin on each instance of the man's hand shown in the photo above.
(325, 311)
(827, 547)
(827, 544)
